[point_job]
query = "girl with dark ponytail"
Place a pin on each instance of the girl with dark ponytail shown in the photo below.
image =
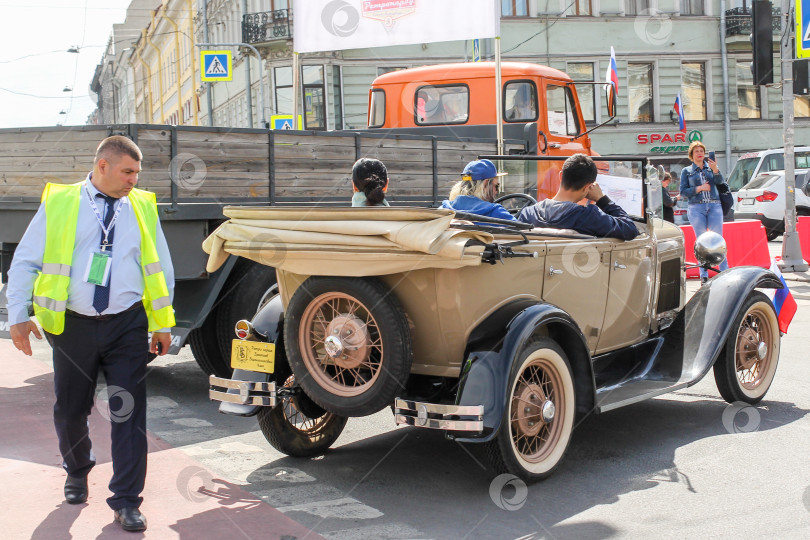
(370, 181)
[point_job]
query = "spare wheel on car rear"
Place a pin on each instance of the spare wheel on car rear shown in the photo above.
(348, 343)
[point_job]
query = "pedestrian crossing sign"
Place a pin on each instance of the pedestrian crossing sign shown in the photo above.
(216, 66)
(284, 121)
(802, 28)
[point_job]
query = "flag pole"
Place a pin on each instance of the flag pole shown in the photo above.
(498, 98)
(296, 85)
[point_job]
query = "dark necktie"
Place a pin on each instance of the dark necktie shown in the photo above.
(101, 297)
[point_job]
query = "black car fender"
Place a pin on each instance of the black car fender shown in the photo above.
(701, 329)
(268, 326)
(495, 346)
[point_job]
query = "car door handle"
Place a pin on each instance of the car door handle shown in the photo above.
(618, 266)
(554, 145)
(552, 271)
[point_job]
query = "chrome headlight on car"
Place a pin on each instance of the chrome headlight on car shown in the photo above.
(710, 249)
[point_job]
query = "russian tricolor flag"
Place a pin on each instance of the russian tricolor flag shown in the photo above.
(782, 300)
(612, 75)
(679, 110)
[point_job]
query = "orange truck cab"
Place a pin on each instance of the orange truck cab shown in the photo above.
(458, 100)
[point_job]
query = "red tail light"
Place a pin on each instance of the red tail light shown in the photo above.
(767, 196)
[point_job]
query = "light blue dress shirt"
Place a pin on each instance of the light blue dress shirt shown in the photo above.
(126, 276)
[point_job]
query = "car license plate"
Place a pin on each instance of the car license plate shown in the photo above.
(748, 201)
(253, 356)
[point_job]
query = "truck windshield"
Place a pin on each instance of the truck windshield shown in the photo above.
(742, 172)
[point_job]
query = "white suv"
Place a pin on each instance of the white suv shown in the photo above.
(763, 198)
(754, 163)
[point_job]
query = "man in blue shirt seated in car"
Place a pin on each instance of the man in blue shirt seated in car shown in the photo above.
(605, 219)
(477, 190)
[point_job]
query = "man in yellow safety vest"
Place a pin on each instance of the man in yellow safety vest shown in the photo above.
(95, 267)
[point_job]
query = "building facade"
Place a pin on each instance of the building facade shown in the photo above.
(663, 48)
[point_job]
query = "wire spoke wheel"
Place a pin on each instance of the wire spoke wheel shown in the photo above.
(340, 344)
(534, 409)
(289, 429)
(754, 340)
(746, 366)
(348, 343)
(539, 417)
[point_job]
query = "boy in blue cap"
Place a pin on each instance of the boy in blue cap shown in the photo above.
(477, 190)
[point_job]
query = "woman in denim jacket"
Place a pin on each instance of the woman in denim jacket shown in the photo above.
(699, 186)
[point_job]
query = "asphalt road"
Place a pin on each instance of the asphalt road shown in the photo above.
(682, 465)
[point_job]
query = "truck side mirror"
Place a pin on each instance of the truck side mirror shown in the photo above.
(610, 95)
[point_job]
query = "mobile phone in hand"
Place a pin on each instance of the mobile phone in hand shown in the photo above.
(711, 156)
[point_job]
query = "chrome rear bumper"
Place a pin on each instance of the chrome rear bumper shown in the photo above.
(434, 416)
(248, 392)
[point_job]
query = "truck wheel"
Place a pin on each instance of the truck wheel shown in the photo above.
(244, 292)
(292, 431)
(205, 348)
(348, 343)
(539, 418)
(746, 366)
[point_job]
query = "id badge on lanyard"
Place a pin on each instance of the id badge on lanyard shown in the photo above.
(100, 260)
(98, 268)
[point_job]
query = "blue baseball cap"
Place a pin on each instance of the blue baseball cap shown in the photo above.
(480, 170)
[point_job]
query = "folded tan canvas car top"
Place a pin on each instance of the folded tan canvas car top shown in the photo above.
(348, 241)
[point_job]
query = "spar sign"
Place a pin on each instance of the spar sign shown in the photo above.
(666, 143)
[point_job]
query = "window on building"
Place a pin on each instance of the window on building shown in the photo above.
(693, 90)
(172, 68)
(636, 7)
(314, 87)
(584, 71)
(747, 93)
(583, 7)
(384, 70)
(520, 101)
(640, 98)
(692, 7)
(449, 104)
(155, 85)
(562, 118)
(801, 107)
(337, 93)
(284, 90)
(184, 54)
(514, 8)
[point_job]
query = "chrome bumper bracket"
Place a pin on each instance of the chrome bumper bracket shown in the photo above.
(435, 416)
(246, 392)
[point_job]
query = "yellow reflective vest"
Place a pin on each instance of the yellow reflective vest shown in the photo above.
(61, 217)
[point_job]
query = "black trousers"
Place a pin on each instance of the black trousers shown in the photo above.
(118, 347)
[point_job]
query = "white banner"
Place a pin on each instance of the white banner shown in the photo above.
(330, 25)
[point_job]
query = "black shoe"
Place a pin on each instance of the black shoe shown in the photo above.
(76, 489)
(130, 519)
(703, 280)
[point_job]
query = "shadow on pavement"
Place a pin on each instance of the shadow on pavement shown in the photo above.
(612, 454)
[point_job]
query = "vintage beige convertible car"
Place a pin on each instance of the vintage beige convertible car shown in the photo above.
(497, 334)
